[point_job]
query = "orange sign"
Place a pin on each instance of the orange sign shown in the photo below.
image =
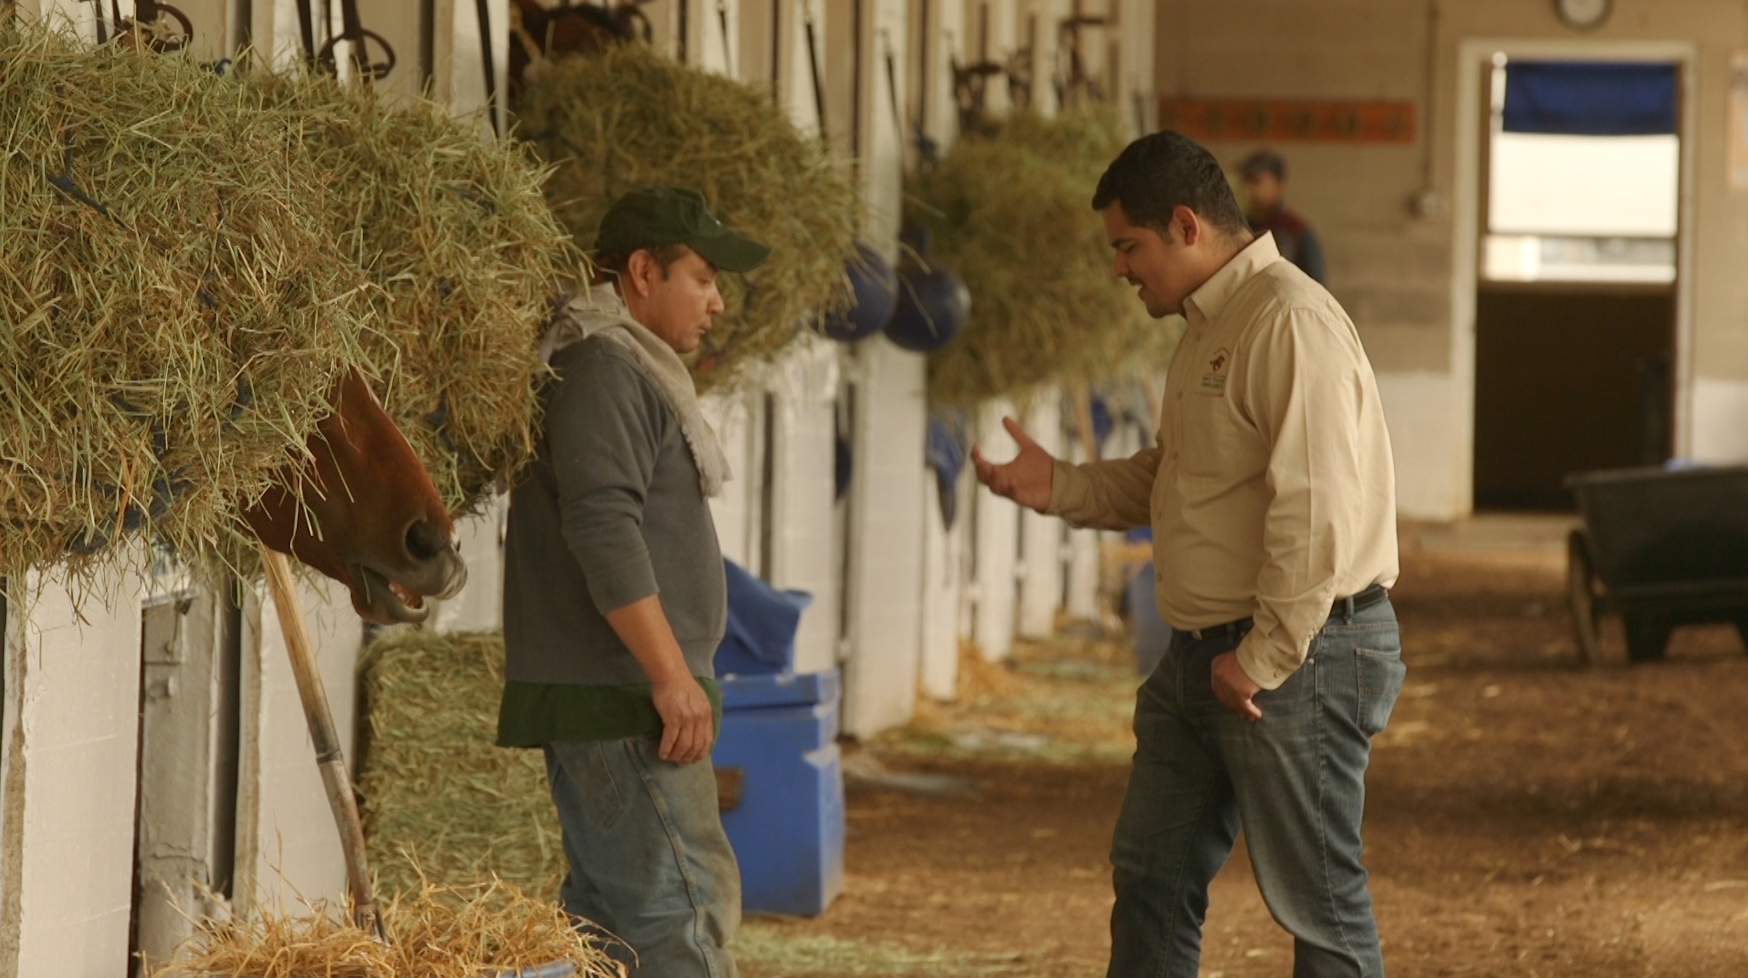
(1289, 120)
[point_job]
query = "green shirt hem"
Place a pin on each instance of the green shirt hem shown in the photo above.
(532, 714)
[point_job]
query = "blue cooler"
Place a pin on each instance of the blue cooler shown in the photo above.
(778, 770)
(782, 782)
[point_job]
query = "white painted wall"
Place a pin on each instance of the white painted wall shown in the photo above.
(804, 551)
(480, 605)
(1720, 420)
(1420, 409)
(296, 843)
(732, 509)
(71, 743)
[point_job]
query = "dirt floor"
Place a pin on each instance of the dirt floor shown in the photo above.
(1525, 815)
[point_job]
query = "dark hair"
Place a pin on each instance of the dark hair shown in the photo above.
(1264, 161)
(1159, 173)
(665, 255)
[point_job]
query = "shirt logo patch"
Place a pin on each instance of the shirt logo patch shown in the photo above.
(1214, 381)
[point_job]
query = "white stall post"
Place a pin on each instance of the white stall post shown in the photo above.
(72, 700)
(1041, 537)
(997, 543)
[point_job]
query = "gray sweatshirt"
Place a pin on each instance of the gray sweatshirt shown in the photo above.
(609, 513)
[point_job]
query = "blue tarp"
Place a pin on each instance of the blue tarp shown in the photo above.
(1581, 98)
(762, 622)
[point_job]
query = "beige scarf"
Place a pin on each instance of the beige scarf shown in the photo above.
(599, 312)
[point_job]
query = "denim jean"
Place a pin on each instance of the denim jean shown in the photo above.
(1293, 780)
(648, 858)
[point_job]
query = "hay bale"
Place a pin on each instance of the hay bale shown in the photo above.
(172, 314)
(436, 789)
(449, 222)
(630, 117)
(1009, 211)
(436, 932)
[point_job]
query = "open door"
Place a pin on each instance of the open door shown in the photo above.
(1576, 300)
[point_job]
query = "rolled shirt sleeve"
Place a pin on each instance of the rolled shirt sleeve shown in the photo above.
(604, 427)
(1306, 390)
(1113, 495)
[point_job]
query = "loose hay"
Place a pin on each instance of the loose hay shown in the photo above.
(435, 787)
(631, 118)
(437, 932)
(1009, 211)
(451, 225)
(171, 313)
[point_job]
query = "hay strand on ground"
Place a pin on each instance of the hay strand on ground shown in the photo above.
(1010, 211)
(630, 118)
(436, 932)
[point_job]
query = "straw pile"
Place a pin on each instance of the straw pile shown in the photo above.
(629, 118)
(172, 313)
(451, 226)
(1009, 211)
(435, 787)
(439, 932)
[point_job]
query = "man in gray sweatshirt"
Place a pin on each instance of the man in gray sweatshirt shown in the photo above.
(614, 597)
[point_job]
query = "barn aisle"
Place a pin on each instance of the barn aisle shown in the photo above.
(1527, 815)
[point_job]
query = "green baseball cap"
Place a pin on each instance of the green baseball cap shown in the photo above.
(653, 216)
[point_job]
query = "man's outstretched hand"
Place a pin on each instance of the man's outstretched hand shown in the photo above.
(1026, 480)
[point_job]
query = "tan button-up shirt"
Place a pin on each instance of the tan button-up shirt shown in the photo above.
(1271, 491)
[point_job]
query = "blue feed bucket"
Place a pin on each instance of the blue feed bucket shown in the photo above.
(874, 287)
(933, 305)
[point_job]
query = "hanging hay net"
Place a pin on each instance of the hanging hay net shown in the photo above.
(450, 225)
(1009, 210)
(441, 801)
(630, 118)
(434, 932)
(172, 313)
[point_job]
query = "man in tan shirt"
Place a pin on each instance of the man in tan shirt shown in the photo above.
(1271, 494)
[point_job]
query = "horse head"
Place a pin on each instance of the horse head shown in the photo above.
(379, 526)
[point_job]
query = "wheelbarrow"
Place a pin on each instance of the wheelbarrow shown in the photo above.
(1662, 548)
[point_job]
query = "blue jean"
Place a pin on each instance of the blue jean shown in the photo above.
(648, 858)
(1294, 781)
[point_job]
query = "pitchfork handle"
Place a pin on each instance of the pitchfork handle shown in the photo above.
(329, 758)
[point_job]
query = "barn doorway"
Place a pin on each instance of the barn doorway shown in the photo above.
(1576, 297)
(188, 767)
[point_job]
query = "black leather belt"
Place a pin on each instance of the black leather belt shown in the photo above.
(1343, 608)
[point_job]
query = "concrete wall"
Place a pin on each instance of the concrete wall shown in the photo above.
(1406, 273)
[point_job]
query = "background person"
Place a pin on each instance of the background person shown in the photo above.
(1271, 494)
(614, 595)
(1265, 183)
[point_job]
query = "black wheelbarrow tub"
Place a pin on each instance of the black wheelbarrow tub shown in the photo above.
(1668, 546)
